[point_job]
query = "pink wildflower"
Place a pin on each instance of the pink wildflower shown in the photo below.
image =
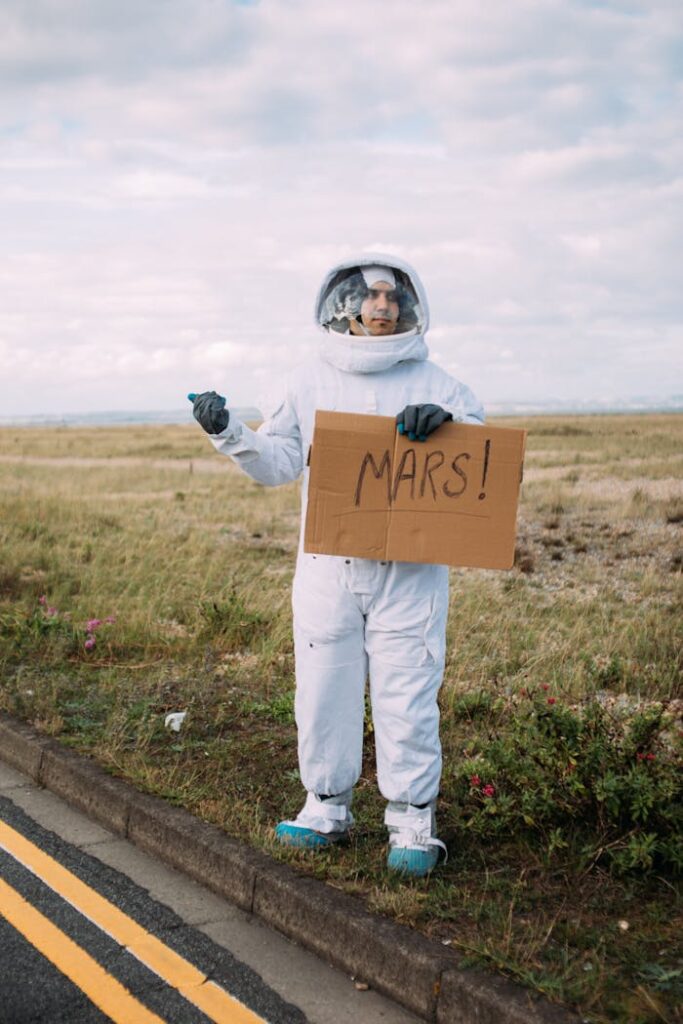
(650, 757)
(42, 599)
(640, 756)
(110, 618)
(92, 624)
(488, 789)
(545, 686)
(90, 643)
(552, 700)
(52, 611)
(475, 780)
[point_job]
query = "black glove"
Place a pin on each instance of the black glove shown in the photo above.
(419, 421)
(209, 411)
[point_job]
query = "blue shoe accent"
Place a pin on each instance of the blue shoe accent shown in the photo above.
(303, 838)
(414, 863)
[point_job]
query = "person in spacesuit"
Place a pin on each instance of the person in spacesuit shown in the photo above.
(354, 618)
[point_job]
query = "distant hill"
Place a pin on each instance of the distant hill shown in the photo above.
(551, 407)
(113, 418)
(572, 407)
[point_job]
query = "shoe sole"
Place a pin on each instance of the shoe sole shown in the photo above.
(308, 838)
(411, 863)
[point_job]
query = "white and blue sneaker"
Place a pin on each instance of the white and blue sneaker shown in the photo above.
(321, 822)
(414, 850)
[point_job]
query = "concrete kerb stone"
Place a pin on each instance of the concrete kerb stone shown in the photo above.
(87, 786)
(194, 847)
(411, 969)
(21, 747)
(395, 960)
(474, 997)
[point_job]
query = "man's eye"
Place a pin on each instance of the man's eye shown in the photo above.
(375, 293)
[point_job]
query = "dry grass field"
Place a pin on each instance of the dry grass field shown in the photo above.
(142, 574)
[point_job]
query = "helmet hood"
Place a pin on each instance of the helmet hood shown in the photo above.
(343, 289)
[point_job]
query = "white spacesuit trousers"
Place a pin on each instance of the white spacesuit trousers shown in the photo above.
(355, 618)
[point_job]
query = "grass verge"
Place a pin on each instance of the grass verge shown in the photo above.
(141, 576)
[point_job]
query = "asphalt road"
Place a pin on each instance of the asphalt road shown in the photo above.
(92, 930)
(37, 990)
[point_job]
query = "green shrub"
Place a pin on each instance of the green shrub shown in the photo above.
(37, 634)
(602, 781)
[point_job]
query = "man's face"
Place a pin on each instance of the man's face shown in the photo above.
(379, 310)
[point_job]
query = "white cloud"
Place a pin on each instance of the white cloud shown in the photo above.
(174, 184)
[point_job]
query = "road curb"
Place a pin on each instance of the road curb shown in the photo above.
(411, 969)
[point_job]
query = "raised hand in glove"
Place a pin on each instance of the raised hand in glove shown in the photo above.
(209, 411)
(419, 421)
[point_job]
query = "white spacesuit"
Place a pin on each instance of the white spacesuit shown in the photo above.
(356, 618)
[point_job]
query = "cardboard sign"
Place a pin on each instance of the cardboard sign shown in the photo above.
(452, 499)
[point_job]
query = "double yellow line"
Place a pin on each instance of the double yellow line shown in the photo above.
(108, 994)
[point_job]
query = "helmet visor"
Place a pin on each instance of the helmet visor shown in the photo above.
(347, 292)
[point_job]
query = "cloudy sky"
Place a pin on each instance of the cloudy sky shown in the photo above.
(177, 175)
